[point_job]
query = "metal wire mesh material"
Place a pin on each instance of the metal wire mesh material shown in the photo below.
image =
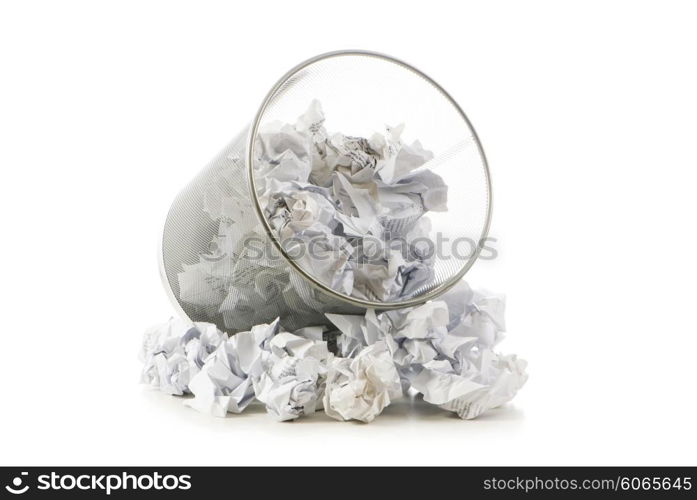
(234, 272)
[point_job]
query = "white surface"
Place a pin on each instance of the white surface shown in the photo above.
(587, 113)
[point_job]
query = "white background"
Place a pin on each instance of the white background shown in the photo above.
(588, 114)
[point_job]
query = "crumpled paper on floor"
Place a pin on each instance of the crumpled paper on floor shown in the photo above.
(360, 388)
(225, 382)
(293, 380)
(174, 352)
(443, 349)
